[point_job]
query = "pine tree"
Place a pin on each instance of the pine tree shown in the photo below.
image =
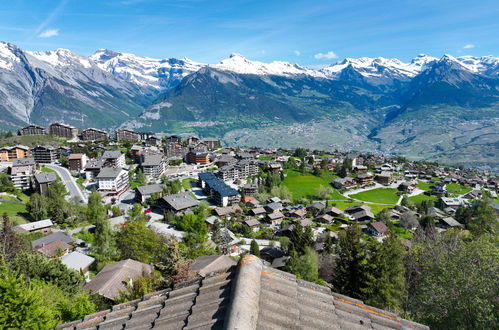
(96, 214)
(384, 281)
(37, 206)
(254, 248)
(349, 272)
(10, 242)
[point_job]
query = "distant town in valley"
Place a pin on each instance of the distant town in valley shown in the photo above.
(155, 229)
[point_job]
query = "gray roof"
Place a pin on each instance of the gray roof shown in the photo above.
(180, 201)
(109, 173)
(76, 260)
(30, 226)
(211, 264)
(249, 296)
(150, 189)
(451, 222)
(111, 154)
(152, 160)
(57, 236)
(45, 177)
(23, 162)
(108, 282)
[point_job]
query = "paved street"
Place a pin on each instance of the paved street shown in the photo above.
(70, 182)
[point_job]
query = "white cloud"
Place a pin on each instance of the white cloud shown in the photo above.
(327, 56)
(469, 46)
(297, 53)
(49, 33)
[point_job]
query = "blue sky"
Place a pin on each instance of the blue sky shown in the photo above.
(311, 32)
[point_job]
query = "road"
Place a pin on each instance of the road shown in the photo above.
(70, 182)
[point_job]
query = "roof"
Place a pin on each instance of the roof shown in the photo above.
(57, 236)
(252, 222)
(75, 156)
(379, 227)
(249, 296)
(30, 226)
(152, 160)
(150, 189)
(165, 229)
(180, 201)
(111, 154)
(451, 222)
(363, 214)
(211, 264)
(76, 260)
(23, 162)
(108, 282)
(109, 172)
(45, 177)
(206, 176)
(51, 248)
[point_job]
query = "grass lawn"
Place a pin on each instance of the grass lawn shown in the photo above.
(422, 197)
(455, 188)
(375, 208)
(336, 196)
(186, 183)
(424, 185)
(401, 232)
(12, 209)
(303, 185)
(265, 157)
(436, 178)
(329, 176)
(46, 169)
(378, 195)
(8, 198)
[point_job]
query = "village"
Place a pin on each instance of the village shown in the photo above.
(252, 200)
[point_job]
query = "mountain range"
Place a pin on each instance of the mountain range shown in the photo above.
(444, 109)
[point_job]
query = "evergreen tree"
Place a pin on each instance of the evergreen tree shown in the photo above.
(96, 214)
(305, 266)
(300, 238)
(348, 276)
(384, 281)
(37, 207)
(254, 248)
(10, 242)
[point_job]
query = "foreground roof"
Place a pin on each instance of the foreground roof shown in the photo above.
(249, 296)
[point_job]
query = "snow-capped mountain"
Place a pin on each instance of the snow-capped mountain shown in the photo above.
(145, 71)
(239, 64)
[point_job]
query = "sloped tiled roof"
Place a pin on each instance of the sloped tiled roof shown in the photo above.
(251, 296)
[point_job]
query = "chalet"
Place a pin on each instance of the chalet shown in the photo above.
(333, 211)
(253, 203)
(63, 130)
(9, 154)
(253, 224)
(439, 189)
(109, 281)
(258, 211)
(377, 229)
(228, 210)
(360, 168)
(364, 178)
(43, 181)
(451, 202)
(57, 236)
(273, 207)
(344, 183)
(113, 180)
(362, 216)
(316, 207)
(152, 141)
(179, 203)
(22, 173)
(275, 218)
(175, 150)
(325, 218)
(77, 162)
(56, 248)
(449, 222)
(79, 262)
(384, 178)
(298, 212)
(42, 226)
(407, 186)
(143, 193)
